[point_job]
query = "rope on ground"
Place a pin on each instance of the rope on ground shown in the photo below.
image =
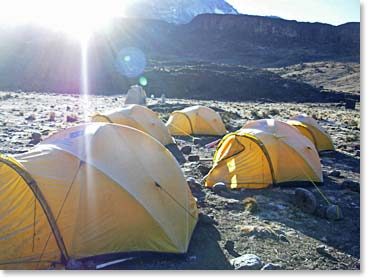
(317, 188)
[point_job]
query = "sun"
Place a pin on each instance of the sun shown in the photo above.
(77, 18)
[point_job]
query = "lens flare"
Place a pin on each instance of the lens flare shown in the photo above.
(143, 81)
(131, 62)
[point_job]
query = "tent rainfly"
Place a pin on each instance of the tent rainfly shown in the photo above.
(262, 153)
(196, 120)
(138, 117)
(93, 190)
(145, 120)
(313, 131)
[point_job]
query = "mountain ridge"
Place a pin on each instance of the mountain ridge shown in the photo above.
(41, 60)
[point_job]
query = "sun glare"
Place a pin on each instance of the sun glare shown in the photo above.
(78, 18)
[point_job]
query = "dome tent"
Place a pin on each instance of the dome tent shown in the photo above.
(145, 120)
(264, 152)
(313, 131)
(196, 120)
(78, 195)
(138, 117)
(136, 95)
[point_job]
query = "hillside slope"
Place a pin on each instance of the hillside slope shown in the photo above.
(34, 58)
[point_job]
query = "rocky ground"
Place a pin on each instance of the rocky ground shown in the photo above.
(326, 75)
(271, 227)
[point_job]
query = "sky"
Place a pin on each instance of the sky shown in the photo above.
(334, 12)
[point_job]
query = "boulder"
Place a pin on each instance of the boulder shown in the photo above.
(333, 212)
(247, 262)
(306, 200)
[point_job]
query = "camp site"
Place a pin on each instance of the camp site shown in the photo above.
(189, 135)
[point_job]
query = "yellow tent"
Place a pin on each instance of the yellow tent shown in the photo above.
(138, 117)
(264, 152)
(312, 130)
(195, 120)
(93, 189)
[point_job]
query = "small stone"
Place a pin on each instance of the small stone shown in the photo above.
(283, 238)
(71, 118)
(352, 185)
(306, 200)
(186, 150)
(272, 266)
(193, 158)
(334, 212)
(334, 173)
(197, 141)
(30, 117)
(247, 262)
(192, 183)
(321, 249)
(220, 187)
(36, 138)
(250, 204)
(247, 229)
(204, 170)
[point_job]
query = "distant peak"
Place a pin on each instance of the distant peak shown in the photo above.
(176, 11)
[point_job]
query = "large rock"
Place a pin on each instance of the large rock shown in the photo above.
(333, 212)
(247, 262)
(306, 200)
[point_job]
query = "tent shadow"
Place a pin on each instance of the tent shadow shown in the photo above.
(204, 253)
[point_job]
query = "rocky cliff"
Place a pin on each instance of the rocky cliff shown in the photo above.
(37, 59)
